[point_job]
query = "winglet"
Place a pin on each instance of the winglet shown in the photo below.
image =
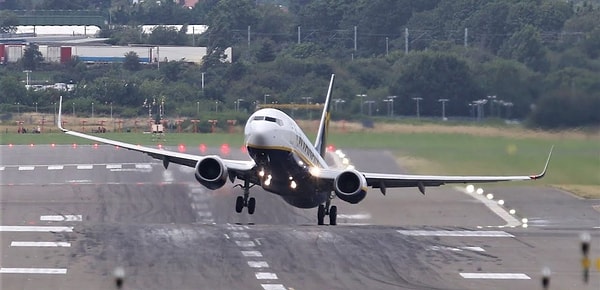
(543, 173)
(321, 140)
(59, 119)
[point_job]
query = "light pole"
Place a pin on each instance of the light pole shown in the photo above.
(54, 118)
(479, 104)
(370, 103)
(418, 100)
(361, 96)
(19, 109)
(237, 104)
(391, 98)
(388, 102)
(491, 100)
(92, 111)
(197, 108)
(35, 107)
(73, 109)
(265, 98)
(508, 105)
(216, 106)
(443, 101)
(27, 77)
(336, 102)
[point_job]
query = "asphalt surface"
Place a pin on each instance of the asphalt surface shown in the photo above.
(70, 216)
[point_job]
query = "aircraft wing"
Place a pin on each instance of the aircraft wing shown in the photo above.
(384, 181)
(240, 167)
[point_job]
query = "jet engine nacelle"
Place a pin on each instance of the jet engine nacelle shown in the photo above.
(350, 186)
(211, 172)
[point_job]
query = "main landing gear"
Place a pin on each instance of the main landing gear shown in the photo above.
(327, 209)
(244, 201)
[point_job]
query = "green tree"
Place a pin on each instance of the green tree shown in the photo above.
(167, 36)
(32, 57)
(12, 90)
(132, 61)
(266, 52)
(431, 76)
(526, 46)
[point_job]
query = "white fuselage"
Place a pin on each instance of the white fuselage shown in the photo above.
(285, 158)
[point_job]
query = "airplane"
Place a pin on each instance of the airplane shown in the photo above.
(284, 162)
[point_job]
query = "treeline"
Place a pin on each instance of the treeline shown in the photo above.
(538, 58)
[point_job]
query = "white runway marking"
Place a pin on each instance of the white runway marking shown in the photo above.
(26, 168)
(504, 276)
(35, 229)
(114, 166)
(258, 264)
(252, 254)
(265, 276)
(143, 166)
(510, 220)
(359, 216)
(474, 249)
(40, 244)
(453, 249)
(85, 167)
(492, 234)
(240, 235)
(245, 244)
(273, 287)
(2, 168)
(33, 271)
(62, 218)
(55, 167)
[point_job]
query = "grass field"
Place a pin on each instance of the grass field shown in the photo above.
(575, 163)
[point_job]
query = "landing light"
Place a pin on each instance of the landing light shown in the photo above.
(181, 148)
(480, 191)
(261, 173)
(293, 184)
(470, 188)
(345, 161)
(314, 171)
(490, 196)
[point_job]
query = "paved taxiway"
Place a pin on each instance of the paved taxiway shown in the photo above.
(66, 225)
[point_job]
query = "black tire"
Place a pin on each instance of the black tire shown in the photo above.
(321, 215)
(251, 205)
(239, 204)
(333, 215)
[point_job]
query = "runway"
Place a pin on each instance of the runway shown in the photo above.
(71, 215)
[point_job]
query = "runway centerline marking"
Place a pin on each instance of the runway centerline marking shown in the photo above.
(245, 244)
(423, 233)
(62, 218)
(273, 287)
(258, 264)
(240, 235)
(40, 244)
(85, 167)
(55, 167)
(114, 166)
(33, 271)
(266, 276)
(26, 168)
(251, 254)
(35, 229)
(501, 276)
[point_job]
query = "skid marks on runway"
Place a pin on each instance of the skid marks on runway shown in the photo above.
(200, 202)
(467, 236)
(248, 248)
(48, 236)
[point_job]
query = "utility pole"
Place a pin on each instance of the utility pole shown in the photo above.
(391, 98)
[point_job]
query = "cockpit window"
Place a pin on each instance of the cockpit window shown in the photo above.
(269, 119)
(274, 120)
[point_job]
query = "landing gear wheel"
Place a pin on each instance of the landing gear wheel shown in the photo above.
(239, 204)
(321, 215)
(251, 205)
(333, 215)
